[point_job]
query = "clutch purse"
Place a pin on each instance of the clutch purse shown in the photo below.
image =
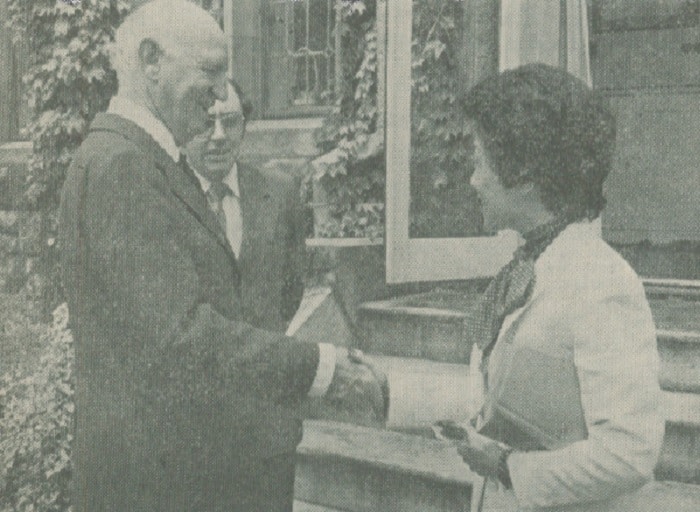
(535, 402)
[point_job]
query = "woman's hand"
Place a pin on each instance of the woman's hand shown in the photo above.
(485, 457)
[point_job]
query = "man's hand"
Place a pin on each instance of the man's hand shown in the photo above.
(358, 393)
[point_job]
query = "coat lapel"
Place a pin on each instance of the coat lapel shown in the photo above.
(255, 207)
(189, 192)
(181, 185)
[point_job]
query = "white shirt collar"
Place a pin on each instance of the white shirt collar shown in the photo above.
(231, 180)
(144, 118)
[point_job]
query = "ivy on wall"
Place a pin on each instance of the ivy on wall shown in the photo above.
(69, 80)
(352, 168)
(351, 171)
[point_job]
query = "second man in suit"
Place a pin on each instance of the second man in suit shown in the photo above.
(262, 214)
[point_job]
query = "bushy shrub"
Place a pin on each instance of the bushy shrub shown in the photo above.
(36, 415)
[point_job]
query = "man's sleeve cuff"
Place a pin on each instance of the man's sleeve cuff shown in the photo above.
(324, 371)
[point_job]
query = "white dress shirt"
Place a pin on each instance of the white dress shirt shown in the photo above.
(231, 206)
(144, 118)
(587, 302)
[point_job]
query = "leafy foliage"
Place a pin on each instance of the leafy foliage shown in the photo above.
(352, 169)
(35, 431)
(442, 202)
(68, 82)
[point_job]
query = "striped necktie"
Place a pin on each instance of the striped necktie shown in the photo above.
(215, 195)
(226, 205)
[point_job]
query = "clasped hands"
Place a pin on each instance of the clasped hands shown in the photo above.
(358, 393)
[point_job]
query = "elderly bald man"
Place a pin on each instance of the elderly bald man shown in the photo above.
(181, 404)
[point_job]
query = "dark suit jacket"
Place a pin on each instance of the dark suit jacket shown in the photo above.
(174, 392)
(272, 255)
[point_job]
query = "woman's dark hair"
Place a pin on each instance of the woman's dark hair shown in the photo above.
(541, 125)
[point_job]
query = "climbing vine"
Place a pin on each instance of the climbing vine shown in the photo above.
(352, 169)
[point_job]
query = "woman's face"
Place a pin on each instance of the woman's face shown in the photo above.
(501, 207)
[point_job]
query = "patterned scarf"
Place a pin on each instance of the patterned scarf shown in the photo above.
(510, 289)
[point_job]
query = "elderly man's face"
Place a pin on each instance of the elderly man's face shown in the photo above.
(190, 81)
(213, 152)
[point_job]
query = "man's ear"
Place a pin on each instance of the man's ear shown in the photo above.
(150, 54)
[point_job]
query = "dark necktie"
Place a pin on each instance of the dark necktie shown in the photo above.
(215, 195)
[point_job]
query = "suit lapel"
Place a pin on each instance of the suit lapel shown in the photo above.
(180, 184)
(194, 199)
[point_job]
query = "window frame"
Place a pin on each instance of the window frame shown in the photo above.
(421, 259)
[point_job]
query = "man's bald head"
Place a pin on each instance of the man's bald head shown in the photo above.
(171, 24)
(171, 57)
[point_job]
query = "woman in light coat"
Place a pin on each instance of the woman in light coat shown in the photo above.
(543, 145)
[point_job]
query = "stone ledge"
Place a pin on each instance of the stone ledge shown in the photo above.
(384, 449)
(682, 409)
(302, 506)
(15, 153)
(344, 467)
(364, 470)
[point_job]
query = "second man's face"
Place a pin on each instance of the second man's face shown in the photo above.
(213, 152)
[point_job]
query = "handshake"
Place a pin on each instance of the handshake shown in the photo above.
(358, 393)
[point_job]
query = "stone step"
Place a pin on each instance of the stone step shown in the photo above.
(302, 506)
(342, 467)
(432, 326)
(365, 470)
(424, 391)
(680, 455)
(680, 360)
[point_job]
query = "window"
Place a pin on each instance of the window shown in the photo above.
(552, 31)
(302, 53)
(410, 258)
(644, 56)
(284, 54)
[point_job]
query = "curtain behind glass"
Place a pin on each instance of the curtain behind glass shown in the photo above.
(554, 32)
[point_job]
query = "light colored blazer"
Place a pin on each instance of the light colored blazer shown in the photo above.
(589, 305)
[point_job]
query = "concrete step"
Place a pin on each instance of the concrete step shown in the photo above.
(365, 470)
(302, 506)
(680, 455)
(680, 360)
(432, 326)
(342, 467)
(423, 392)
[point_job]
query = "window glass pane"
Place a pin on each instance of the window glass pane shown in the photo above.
(301, 53)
